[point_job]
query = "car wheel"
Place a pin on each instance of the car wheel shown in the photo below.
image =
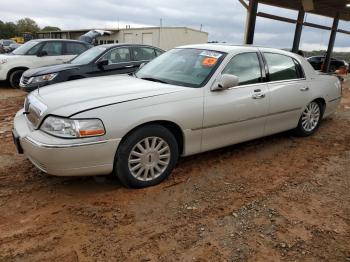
(146, 157)
(15, 78)
(310, 119)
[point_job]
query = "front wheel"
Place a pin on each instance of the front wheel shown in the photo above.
(146, 157)
(310, 119)
(15, 78)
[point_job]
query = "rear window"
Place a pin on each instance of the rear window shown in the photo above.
(282, 67)
(144, 53)
(75, 48)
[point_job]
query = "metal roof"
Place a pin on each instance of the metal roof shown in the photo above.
(328, 8)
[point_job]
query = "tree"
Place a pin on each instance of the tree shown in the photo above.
(8, 30)
(27, 25)
(50, 28)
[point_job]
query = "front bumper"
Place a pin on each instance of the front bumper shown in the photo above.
(65, 157)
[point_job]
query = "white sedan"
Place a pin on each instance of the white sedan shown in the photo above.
(189, 100)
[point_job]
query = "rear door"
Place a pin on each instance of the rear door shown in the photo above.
(143, 54)
(289, 92)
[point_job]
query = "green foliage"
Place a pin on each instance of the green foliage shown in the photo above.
(50, 28)
(22, 26)
(8, 30)
(27, 25)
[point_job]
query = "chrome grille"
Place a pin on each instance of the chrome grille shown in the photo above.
(33, 114)
(34, 109)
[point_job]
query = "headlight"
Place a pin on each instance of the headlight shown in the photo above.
(3, 61)
(73, 128)
(44, 78)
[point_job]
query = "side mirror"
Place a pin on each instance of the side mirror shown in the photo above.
(41, 53)
(100, 64)
(226, 81)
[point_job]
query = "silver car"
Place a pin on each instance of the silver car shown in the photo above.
(189, 100)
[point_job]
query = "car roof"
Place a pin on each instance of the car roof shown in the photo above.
(59, 39)
(233, 48)
(125, 44)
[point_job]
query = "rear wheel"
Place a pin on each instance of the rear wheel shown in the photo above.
(310, 119)
(146, 157)
(15, 78)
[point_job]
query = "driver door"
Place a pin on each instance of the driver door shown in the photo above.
(53, 54)
(119, 62)
(239, 113)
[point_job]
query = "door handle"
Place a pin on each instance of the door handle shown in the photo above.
(128, 66)
(305, 88)
(258, 96)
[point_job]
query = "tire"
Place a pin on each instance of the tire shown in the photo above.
(332, 68)
(137, 169)
(15, 78)
(310, 119)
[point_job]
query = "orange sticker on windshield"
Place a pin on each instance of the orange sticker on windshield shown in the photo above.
(209, 61)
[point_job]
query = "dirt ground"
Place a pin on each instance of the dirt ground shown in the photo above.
(279, 198)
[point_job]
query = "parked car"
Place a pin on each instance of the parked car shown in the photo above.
(38, 53)
(189, 100)
(97, 61)
(5, 44)
(13, 47)
(317, 62)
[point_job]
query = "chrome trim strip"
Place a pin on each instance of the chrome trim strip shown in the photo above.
(44, 145)
(247, 119)
(335, 99)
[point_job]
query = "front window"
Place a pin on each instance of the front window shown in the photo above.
(89, 55)
(53, 48)
(246, 67)
(117, 55)
(184, 67)
(25, 48)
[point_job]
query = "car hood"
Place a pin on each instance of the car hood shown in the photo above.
(69, 98)
(10, 57)
(49, 69)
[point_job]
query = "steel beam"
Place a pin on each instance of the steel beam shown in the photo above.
(251, 20)
(298, 30)
(327, 60)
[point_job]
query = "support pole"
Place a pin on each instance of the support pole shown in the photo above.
(327, 60)
(298, 30)
(251, 19)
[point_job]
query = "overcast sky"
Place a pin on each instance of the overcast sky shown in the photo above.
(224, 20)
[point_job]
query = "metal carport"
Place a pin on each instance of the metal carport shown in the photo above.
(336, 9)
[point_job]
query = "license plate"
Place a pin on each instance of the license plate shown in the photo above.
(18, 146)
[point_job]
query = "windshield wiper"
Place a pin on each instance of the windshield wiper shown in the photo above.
(154, 80)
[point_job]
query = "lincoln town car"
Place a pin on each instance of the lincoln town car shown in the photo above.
(188, 100)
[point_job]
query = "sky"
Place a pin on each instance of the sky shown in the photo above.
(224, 20)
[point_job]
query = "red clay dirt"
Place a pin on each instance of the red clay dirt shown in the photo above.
(280, 198)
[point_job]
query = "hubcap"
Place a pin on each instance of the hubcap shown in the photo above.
(310, 117)
(149, 158)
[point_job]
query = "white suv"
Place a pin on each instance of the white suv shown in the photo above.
(38, 53)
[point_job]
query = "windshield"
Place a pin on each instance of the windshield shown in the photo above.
(89, 55)
(184, 67)
(23, 49)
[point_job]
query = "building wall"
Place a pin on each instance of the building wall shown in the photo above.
(162, 37)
